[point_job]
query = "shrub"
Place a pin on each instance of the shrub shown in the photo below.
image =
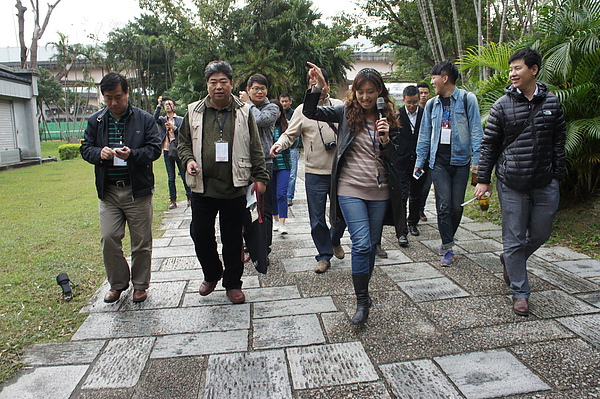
(68, 151)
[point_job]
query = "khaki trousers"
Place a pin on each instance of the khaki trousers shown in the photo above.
(117, 208)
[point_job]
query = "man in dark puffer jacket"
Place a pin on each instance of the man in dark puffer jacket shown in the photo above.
(528, 151)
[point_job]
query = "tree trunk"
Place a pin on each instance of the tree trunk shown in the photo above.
(38, 29)
(457, 29)
(21, 18)
(437, 31)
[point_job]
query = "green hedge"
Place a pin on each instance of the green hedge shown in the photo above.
(68, 151)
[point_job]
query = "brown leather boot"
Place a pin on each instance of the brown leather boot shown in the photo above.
(521, 306)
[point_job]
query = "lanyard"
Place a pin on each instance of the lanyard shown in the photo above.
(372, 136)
(221, 126)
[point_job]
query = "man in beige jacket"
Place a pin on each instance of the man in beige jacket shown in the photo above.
(319, 140)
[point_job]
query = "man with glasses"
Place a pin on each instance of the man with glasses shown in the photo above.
(265, 114)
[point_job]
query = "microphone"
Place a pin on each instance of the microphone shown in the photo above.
(380, 108)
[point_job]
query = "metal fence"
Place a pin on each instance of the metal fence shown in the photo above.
(68, 131)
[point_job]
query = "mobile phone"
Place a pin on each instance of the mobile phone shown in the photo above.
(418, 174)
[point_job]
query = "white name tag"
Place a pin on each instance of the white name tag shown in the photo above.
(119, 162)
(221, 151)
(446, 135)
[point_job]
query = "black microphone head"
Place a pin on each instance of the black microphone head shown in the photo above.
(380, 104)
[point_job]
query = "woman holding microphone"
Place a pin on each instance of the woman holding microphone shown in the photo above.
(358, 177)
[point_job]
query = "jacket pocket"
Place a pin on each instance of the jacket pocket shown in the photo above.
(191, 181)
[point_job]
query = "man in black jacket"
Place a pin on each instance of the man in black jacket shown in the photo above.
(122, 142)
(525, 140)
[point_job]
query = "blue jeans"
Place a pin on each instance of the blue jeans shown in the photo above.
(450, 183)
(365, 223)
(170, 165)
(527, 218)
(280, 182)
(317, 191)
(293, 174)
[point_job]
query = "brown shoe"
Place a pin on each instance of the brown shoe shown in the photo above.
(139, 296)
(338, 251)
(322, 266)
(380, 252)
(173, 203)
(207, 287)
(521, 306)
(236, 296)
(504, 271)
(112, 296)
(423, 217)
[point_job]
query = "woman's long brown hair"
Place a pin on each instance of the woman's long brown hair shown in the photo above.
(355, 113)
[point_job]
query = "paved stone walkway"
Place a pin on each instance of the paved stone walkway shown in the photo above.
(433, 332)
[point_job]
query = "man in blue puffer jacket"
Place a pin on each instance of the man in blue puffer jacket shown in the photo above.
(525, 140)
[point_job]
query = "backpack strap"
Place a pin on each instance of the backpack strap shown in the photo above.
(521, 129)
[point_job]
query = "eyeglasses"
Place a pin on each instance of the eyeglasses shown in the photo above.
(411, 102)
(259, 88)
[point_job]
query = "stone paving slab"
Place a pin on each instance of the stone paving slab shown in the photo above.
(248, 375)
(333, 364)
(41, 382)
(252, 295)
(173, 252)
(434, 245)
(583, 268)
(200, 344)
(592, 299)
(480, 226)
(481, 245)
(164, 321)
(187, 241)
(294, 307)
(395, 256)
(419, 379)
(180, 263)
(432, 289)
(487, 260)
(411, 271)
(364, 390)
(547, 304)
(160, 295)
(305, 264)
(557, 254)
(565, 280)
(490, 374)
(176, 233)
(247, 282)
(587, 326)
(176, 275)
(62, 353)
(161, 242)
(120, 365)
(278, 332)
(462, 235)
(493, 234)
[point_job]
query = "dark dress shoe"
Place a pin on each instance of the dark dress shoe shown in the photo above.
(403, 241)
(521, 306)
(236, 295)
(504, 271)
(423, 217)
(139, 296)
(207, 287)
(112, 296)
(413, 230)
(380, 252)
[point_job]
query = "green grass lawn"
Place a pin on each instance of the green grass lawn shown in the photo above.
(49, 224)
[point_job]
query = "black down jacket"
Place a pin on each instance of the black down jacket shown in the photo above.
(537, 155)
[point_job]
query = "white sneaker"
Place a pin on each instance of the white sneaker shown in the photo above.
(283, 229)
(275, 227)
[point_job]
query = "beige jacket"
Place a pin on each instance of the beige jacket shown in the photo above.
(241, 158)
(317, 160)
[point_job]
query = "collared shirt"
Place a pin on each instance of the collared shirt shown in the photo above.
(116, 131)
(412, 118)
(535, 93)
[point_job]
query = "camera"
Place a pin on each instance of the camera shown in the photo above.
(330, 146)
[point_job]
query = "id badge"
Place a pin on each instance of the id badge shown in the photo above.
(446, 135)
(119, 162)
(221, 151)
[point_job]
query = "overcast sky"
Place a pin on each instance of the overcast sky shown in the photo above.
(78, 19)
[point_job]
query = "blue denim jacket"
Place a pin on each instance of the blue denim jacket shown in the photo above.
(465, 144)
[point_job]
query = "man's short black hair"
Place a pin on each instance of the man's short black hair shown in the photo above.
(218, 67)
(258, 78)
(423, 84)
(410, 91)
(529, 56)
(112, 80)
(446, 68)
(285, 95)
(323, 71)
